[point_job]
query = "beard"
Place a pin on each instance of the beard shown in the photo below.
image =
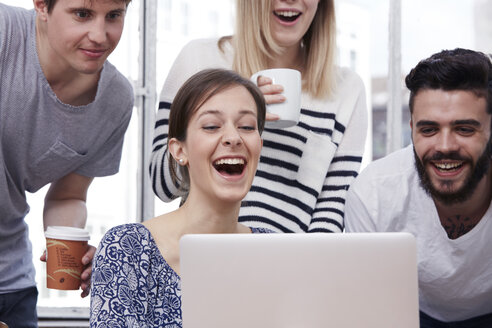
(446, 195)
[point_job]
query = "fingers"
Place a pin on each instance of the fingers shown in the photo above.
(272, 95)
(272, 92)
(263, 80)
(271, 117)
(43, 256)
(86, 274)
(85, 277)
(270, 89)
(274, 99)
(86, 290)
(85, 283)
(89, 255)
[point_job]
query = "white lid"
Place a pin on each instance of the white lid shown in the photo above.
(66, 233)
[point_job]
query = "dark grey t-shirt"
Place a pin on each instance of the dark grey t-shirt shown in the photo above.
(43, 139)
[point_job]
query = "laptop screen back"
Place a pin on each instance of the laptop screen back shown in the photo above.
(299, 280)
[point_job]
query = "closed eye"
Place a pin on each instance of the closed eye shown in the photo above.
(465, 130)
(248, 127)
(428, 131)
(210, 127)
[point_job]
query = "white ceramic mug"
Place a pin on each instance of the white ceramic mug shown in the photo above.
(290, 110)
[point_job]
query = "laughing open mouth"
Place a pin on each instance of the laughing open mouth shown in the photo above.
(230, 166)
(287, 15)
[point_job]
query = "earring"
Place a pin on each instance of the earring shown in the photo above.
(181, 161)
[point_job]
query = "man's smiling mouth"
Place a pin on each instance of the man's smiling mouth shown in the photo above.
(448, 167)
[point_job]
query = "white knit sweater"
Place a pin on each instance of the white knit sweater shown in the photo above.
(304, 171)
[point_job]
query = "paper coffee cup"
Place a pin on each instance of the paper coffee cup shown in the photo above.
(289, 110)
(65, 247)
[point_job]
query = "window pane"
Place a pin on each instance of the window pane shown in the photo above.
(362, 38)
(443, 24)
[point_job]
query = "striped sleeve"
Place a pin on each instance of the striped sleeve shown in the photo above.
(329, 211)
(328, 214)
(183, 67)
(162, 183)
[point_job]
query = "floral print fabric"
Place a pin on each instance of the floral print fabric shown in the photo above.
(132, 284)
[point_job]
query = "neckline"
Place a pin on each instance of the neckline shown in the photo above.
(470, 235)
(156, 249)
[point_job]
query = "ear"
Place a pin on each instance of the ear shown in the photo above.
(178, 151)
(41, 9)
(411, 129)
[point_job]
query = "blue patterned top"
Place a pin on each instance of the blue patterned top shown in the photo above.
(132, 284)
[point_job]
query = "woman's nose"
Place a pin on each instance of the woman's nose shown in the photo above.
(231, 137)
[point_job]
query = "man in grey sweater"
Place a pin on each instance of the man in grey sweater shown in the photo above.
(64, 110)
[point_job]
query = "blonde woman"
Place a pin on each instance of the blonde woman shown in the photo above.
(304, 171)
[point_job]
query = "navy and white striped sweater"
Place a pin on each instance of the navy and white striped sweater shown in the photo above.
(304, 171)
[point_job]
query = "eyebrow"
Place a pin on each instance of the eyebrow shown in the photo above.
(209, 112)
(247, 112)
(467, 122)
(457, 122)
(219, 113)
(426, 123)
(118, 11)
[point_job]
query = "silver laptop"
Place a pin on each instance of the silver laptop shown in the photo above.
(358, 280)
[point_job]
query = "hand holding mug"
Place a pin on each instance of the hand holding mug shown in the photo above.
(272, 93)
(281, 88)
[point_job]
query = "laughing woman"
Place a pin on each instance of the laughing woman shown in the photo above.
(304, 171)
(214, 141)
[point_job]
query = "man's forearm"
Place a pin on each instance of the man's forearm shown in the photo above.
(70, 212)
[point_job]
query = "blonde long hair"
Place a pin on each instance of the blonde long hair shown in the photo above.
(254, 45)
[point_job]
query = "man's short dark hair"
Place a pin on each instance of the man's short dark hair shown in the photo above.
(50, 4)
(458, 69)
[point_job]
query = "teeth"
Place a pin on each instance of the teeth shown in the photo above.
(230, 161)
(447, 166)
(287, 13)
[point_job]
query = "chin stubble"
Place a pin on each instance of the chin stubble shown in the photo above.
(479, 170)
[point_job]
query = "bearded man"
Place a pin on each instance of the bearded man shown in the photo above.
(440, 188)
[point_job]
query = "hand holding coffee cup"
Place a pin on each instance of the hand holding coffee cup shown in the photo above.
(65, 247)
(283, 95)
